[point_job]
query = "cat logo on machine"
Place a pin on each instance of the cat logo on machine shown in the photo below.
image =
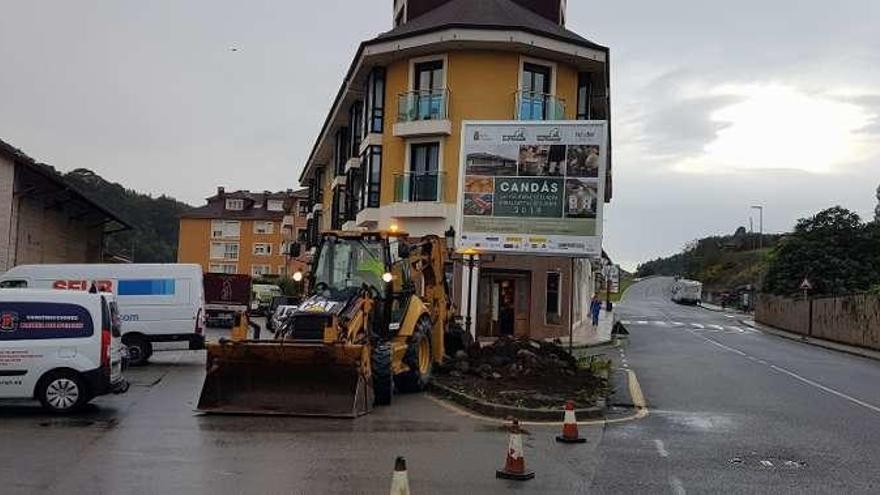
(8, 321)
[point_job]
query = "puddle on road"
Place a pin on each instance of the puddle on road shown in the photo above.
(701, 421)
(755, 460)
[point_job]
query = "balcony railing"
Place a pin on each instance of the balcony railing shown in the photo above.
(423, 105)
(418, 186)
(539, 106)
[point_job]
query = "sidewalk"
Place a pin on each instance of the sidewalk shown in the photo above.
(719, 309)
(827, 344)
(587, 336)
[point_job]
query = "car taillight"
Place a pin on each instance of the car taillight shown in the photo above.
(200, 322)
(105, 348)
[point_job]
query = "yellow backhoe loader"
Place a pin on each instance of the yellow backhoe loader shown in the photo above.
(377, 319)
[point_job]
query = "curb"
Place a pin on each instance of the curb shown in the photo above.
(502, 411)
(825, 344)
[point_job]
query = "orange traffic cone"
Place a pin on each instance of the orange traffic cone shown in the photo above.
(515, 465)
(570, 427)
(399, 480)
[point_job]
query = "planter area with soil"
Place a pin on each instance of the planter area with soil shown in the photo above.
(523, 373)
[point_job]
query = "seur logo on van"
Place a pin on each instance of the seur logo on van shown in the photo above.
(100, 285)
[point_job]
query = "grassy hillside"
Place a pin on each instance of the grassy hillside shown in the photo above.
(720, 262)
(154, 221)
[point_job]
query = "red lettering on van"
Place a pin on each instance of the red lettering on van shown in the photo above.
(100, 285)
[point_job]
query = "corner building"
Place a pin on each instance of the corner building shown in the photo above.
(389, 150)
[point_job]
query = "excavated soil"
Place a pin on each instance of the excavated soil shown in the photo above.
(522, 373)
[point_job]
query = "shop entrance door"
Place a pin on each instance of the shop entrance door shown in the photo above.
(504, 302)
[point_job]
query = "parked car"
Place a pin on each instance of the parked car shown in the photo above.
(157, 302)
(59, 347)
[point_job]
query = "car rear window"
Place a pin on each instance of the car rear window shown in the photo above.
(13, 284)
(38, 321)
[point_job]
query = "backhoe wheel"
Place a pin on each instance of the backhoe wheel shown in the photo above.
(418, 358)
(383, 382)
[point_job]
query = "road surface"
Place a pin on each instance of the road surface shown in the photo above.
(732, 410)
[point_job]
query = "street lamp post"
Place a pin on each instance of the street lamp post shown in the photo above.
(470, 258)
(760, 209)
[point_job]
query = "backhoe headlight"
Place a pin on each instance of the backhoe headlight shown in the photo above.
(387, 277)
(298, 276)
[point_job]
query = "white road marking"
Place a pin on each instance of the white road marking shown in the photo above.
(730, 316)
(661, 449)
(716, 327)
(826, 389)
(794, 375)
(625, 322)
(660, 323)
(677, 486)
(642, 322)
(766, 463)
(736, 328)
(697, 325)
(677, 324)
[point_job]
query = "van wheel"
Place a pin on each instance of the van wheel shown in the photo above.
(139, 349)
(62, 392)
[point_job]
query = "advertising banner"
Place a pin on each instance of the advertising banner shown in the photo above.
(33, 321)
(533, 187)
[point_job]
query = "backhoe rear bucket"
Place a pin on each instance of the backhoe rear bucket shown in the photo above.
(271, 377)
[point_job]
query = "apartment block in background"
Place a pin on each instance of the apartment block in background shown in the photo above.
(389, 150)
(245, 232)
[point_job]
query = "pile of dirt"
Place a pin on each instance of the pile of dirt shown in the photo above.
(523, 373)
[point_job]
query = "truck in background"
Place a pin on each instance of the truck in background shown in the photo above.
(225, 295)
(687, 291)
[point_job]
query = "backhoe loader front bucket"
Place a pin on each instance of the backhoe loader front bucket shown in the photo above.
(276, 377)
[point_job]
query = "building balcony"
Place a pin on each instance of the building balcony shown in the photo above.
(538, 106)
(413, 187)
(423, 113)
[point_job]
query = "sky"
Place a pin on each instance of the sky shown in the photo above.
(717, 106)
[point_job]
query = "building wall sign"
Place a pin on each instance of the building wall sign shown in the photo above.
(533, 188)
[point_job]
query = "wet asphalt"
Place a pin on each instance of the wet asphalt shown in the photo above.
(732, 410)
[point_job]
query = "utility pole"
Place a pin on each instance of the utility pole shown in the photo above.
(760, 209)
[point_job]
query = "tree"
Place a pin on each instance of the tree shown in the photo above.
(834, 249)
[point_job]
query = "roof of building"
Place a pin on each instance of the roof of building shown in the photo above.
(72, 193)
(216, 207)
(485, 14)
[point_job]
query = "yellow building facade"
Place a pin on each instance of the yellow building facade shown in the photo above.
(389, 152)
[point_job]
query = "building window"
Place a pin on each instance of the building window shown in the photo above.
(223, 268)
(235, 204)
(224, 251)
(374, 103)
(262, 249)
(302, 235)
(225, 228)
(583, 97)
(355, 126)
(338, 209)
(355, 186)
(553, 294)
(282, 270)
(302, 209)
(424, 165)
(260, 270)
(264, 227)
(371, 163)
(275, 205)
(341, 152)
(319, 186)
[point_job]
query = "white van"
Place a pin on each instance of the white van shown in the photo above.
(61, 348)
(157, 302)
